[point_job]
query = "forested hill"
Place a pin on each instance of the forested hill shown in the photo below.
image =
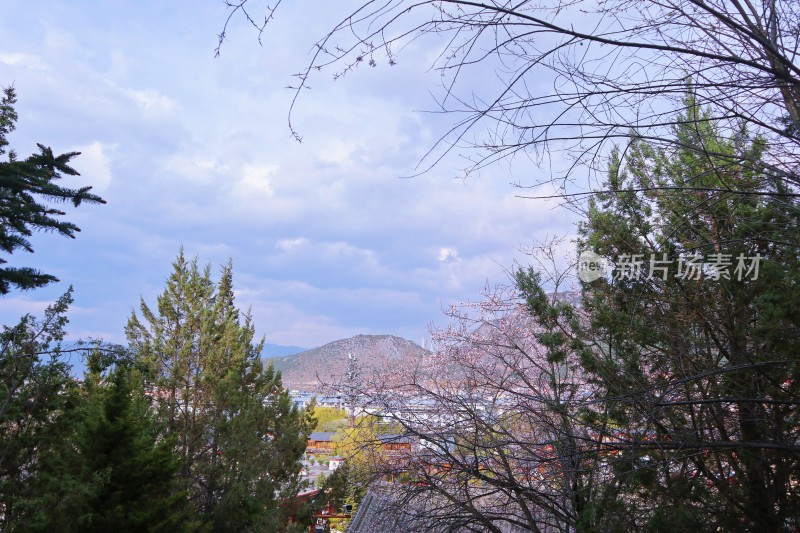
(305, 370)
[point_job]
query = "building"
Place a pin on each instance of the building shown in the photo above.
(321, 442)
(393, 445)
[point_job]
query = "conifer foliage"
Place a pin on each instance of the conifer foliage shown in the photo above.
(38, 403)
(694, 337)
(116, 472)
(25, 186)
(237, 434)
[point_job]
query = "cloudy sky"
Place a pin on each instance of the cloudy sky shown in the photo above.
(327, 238)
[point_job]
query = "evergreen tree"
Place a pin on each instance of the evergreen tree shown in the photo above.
(38, 403)
(698, 362)
(116, 472)
(238, 435)
(24, 184)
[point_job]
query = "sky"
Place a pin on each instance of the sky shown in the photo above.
(327, 237)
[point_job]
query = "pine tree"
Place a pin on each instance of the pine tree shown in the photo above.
(24, 187)
(698, 368)
(116, 472)
(238, 435)
(38, 403)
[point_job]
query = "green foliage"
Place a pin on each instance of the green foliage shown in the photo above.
(329, 418)
(699, 371)
(38, 401)
(344, 486)
(25, 186)
(365, 461)
(116, 472)
(692, 421)
(238, 435)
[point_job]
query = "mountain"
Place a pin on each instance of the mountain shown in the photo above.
(325, 365)
(279, 350)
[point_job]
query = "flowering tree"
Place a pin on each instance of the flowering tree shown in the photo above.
(495, 413)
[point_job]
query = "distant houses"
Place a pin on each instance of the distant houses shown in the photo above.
(393, 450)
(301, 400)
(321, 442)
(393, 445)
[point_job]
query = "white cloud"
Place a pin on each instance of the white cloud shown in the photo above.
(152, 103)
(194, 166)
(255, 184)
(338, 151)
(94, 164)
(447, 254)
(296, 312)
(13, 308)
(119, 65)
(61, 41)
(28, 61)
(287, 245)
(323, 231)
(286, 323)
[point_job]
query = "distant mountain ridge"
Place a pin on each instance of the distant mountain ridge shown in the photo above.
(326, 364)
(279, 350)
